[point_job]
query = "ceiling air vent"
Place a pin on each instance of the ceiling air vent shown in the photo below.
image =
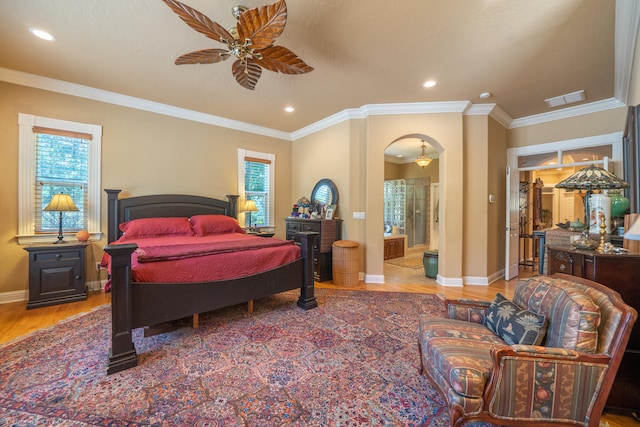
(569, 98)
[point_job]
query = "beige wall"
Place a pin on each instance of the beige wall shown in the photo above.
(497, 217)
(336, 153)
(147, 153)
(142, 153)
(446, 130)
(475, 226)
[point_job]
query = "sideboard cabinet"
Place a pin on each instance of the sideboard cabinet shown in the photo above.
(56, 274)
(620, 273)
(329, 230)
(393, 247)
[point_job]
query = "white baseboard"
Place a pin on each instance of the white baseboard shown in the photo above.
(449, 281)
(374, 278)
(17, 296)
(475, 281)
(14, 296)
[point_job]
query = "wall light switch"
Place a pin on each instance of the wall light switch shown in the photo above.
(359, 215)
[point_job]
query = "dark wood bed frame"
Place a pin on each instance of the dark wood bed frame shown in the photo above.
(136, 304)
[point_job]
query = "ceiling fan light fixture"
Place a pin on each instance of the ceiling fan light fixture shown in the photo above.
(250, 41)
(422, 160)
(238, 10)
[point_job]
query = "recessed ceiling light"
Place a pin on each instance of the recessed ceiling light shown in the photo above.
(289, 109)
(485, 95)
(41, 34)
(429, 83)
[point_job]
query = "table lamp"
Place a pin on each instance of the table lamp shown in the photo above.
(61, 203)
(589, 179)
(250, 206)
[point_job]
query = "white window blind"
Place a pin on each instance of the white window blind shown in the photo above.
(57, 156)
(256, 181)
(62, 166)
(256, 187)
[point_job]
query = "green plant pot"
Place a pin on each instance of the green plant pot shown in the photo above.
(430, 262)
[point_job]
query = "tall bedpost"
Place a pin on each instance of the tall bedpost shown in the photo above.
(123, 353)
(112, 215)
(307, 298)
(233, 205)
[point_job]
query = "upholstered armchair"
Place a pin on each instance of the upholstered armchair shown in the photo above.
(546, 358)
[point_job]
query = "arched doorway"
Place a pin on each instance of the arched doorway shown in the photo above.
(410, 205)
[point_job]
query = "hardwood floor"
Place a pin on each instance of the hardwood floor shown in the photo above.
(16, 320)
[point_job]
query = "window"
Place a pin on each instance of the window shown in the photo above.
(255, 179)
(57, 156)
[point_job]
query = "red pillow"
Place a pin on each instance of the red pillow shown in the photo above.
(154, 227)
(214, 224)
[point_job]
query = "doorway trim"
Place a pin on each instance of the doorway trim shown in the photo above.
(615, 165)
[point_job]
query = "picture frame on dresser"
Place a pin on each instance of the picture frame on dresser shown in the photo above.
(330, 211)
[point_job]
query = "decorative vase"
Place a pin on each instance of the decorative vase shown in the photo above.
(619, 204)
(599, 204)
(82, 236)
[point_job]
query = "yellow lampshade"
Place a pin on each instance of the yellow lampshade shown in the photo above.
(61, 203)
(250, 206)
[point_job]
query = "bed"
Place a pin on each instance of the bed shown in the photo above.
(137, 304)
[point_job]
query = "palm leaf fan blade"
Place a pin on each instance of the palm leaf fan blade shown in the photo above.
(262, 25)
(199, 22)
(205, 56)
(246, 73)
(282, 60)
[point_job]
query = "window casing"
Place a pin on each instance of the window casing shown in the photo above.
(256, 182)
(57, 156)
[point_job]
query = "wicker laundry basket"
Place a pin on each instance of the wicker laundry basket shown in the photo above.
(345, 262)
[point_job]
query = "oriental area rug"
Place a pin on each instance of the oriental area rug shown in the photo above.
(353, 361)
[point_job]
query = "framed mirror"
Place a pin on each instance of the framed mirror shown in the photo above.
(325, 192)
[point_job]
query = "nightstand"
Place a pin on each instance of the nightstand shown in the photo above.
(56, 274)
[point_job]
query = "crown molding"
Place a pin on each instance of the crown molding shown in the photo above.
(465, 107)
(492, 110)
(381, 110)
(73, 89)
(415, 108)
(626, 36)
(327, 122)
(578, 110)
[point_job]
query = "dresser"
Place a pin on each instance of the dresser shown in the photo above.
(56, 274)
(618, 272)
(329, 230)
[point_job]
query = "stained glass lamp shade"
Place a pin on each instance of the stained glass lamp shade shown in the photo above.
(589, 179)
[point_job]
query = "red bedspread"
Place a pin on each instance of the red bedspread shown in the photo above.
(182, 259)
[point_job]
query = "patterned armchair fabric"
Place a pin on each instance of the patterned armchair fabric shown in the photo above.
(564, 381)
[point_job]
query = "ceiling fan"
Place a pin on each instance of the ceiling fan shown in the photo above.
(251, 41)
